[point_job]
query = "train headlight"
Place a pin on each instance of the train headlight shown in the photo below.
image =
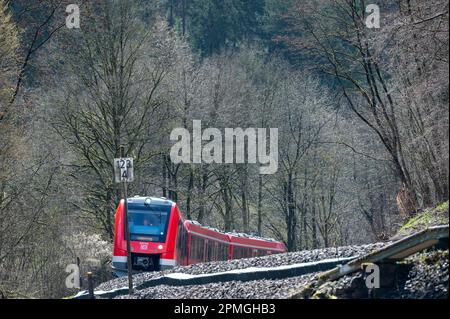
(160, 247)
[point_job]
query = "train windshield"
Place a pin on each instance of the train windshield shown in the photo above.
(148, 223)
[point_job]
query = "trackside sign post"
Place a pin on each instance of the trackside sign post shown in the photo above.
(123, 173)
(123, 170)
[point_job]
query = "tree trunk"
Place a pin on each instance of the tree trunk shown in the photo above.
(189, 193)
(203, 184)
(228, 217)
(244, 211)
(291, 215)
(184, 17)
(259, 205)
(171, 20)
(164, 176)
(315, 243)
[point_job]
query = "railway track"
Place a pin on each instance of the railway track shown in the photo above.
(208, 281)
(242, 275)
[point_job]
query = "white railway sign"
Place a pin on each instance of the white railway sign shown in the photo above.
(123, 170)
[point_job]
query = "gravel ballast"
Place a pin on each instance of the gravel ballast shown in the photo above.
(257, 289)
(427, 277)
(265, 261)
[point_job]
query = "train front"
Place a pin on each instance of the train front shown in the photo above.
(153, 224)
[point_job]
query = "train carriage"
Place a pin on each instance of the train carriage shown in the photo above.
(162, 238)
(205, 244)
(245, 246)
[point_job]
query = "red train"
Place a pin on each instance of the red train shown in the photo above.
(161, 238)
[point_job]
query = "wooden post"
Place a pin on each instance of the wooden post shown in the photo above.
(80, 280)
(127, 231)
(90, 286)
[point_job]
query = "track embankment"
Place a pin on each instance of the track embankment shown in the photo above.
(412, 267)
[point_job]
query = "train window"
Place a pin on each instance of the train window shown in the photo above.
(212, 250)
(200, 249)
(182, 244)
(225, 252)
(197, 249)
(217, 251)
(243, 252)
(207, 248)
(238, 252)
(148, 223)
(220, 251)
(192, 249)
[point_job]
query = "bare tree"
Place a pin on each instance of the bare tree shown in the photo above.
(340, 44)
(113, 100)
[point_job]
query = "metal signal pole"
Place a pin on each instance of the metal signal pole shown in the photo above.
(127, 229)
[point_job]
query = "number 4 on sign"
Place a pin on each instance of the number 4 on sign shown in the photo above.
(123, 170)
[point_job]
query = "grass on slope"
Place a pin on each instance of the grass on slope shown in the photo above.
(427, 218)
